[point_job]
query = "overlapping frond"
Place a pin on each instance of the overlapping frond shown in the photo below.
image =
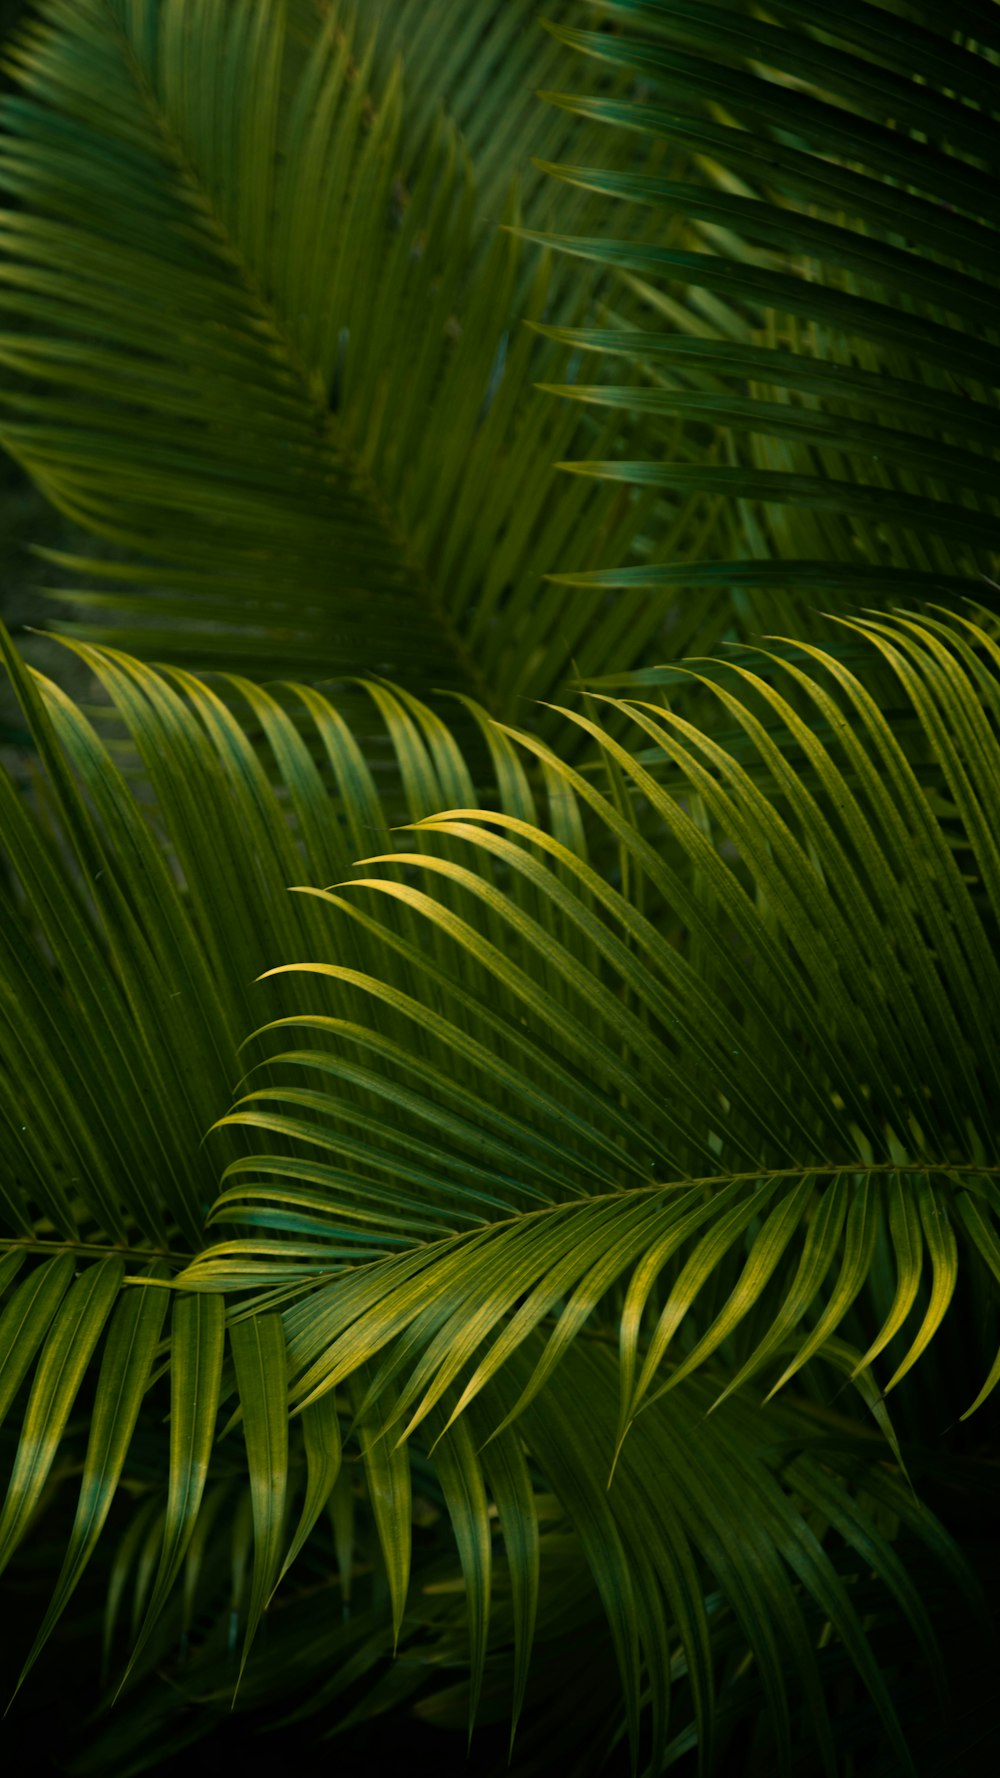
(140, 912)
(586, 1176)
(817, 289)
(732, 1022)
(707, 1112)
(484, 62)
(263, 368)
(450, 1204)
(664, 1557)
(137, 912)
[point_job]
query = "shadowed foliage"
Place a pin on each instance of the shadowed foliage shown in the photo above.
(499, 1189)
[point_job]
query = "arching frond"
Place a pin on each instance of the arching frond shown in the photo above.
(817, 289)
(458, 1198)
(264, 369)
(482, 61)
(684, 1589)
(708, 1113)
(137, 911)
(736, 1024)
(499, 1204)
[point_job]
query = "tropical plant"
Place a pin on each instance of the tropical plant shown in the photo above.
(541, 1279)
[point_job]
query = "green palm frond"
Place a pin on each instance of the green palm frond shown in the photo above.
(499, 1202)
(250, 355)
(457, 1212)
(644, 1550)
(817, 288)
(710, 1117)
(671, 1090)
(137, 915)
(483, 61)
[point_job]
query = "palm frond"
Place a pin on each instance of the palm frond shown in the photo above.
(264, 370)
(662, 1096)
(136, 918)
(521, 1134)
(508, 1279)
(687, 1595)
(815, 289)
(813, 1105)
(483, 63)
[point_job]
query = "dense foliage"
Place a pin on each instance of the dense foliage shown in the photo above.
(500, 992)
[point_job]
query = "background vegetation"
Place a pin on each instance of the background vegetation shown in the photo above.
(498, 972)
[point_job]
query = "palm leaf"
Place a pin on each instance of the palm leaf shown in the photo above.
(125, 1371)
(267, 374)
(823, 253)
(137, 915)
(639, 1097)
(466, 1196)
(483, 63)
(690, 1583)
(803, 1089)
(813, 1104)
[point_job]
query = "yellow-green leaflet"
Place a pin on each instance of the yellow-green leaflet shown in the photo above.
(71, 1339)
(387, 1472)
(129, 1350)
(258, 1348)
(197, 1338)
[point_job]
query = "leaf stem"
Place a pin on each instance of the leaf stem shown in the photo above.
(93, 1249)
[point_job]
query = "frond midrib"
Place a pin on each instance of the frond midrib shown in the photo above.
(589, 1201)
(93, 1249)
